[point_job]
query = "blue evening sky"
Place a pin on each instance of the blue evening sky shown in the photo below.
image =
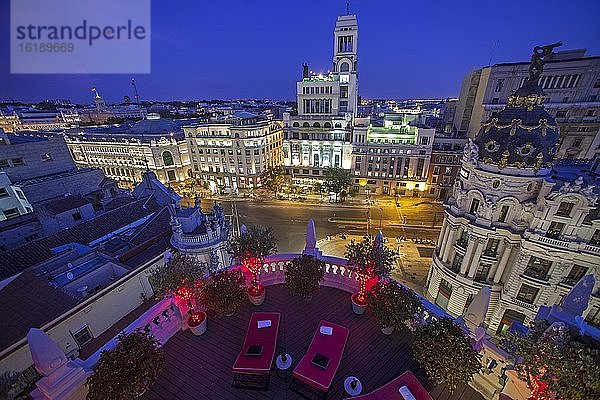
(254, 48)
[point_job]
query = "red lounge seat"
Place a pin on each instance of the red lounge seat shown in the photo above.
(248, 367)
(331, 346)
(390, 391)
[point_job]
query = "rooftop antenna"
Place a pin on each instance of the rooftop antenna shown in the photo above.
(347, 7)
(136, 96)
(493, 51)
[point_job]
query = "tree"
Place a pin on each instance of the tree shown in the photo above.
(182, 276)
(369, 258)
(224, 292)
(337, 180)
(445, 353)
(273, 178)
(127, 370)
(393, 304)
(250, 247)
(553, 359)
(303, 274)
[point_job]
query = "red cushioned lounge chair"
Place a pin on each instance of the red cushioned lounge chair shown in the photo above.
(252, 368)
(317, 368)
(391, 390)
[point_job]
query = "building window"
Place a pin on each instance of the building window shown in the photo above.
(561, 114)
(577, 272)
(495, 100)
(507, 320)
(171, 175)
(503, 213)
(82, 336)
(46, 157)
(527, 293)
(595, 240)
(555, 230)
(167, 157)
(538, 268)
(491, 249)
(11, 213)
(565, 208)
(474, 206)
(436, 170)
(76, 216)
(18, 161)
(444, 293)
(456, 262)
(499, 85)
(576, 143)
(482, 272)
(3, 193)
(3, 163)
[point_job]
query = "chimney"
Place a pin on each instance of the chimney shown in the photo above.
(304, 70)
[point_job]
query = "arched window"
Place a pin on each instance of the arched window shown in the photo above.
(338, 125)
(306, 125)
(167, 158)
(316, 125)
(327, 125)
(296, 125)
(344, 67)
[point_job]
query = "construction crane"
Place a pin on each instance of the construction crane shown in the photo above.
(136, 96)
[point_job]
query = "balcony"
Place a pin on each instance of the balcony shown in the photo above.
(523, 303)
(490, 254)
(536, 274)
(461, 244)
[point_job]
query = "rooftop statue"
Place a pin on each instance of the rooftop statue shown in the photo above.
(538, 59)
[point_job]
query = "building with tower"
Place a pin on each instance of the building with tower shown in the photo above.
(518, 221)
(320, 135)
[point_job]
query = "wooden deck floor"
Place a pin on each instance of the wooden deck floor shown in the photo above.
(200, 367)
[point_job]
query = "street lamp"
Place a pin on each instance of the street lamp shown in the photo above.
(380, 216)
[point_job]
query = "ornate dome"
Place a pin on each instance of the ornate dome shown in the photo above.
(523, 134)
(153, 124)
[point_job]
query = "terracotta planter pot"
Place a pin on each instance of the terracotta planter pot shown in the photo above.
(197, 323)
(257, 298)
(387, 330)
(358, 307)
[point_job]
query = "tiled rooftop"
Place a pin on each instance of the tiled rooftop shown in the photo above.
(32, 253)
(199, 367)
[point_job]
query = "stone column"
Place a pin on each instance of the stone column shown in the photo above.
(475, 262)
(442, 238)
(502, 263)
(465, 263)
(449, 243)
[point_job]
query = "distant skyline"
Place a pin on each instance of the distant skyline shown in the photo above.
(255, 49)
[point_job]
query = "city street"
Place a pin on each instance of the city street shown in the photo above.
(289, 218)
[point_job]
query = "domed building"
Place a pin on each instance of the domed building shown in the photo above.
(518, 221)
(124, 152)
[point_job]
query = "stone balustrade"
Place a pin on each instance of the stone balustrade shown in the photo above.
(162, 321)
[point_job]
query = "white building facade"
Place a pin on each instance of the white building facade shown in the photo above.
(517, 222)
(232, 152)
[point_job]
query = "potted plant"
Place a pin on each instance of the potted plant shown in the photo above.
(445, 353)
(126, 371)
(197, 322)
(182, 277)
(369, 259)
(224, 292)
(250, 248)
(393, 305)
(303, 274)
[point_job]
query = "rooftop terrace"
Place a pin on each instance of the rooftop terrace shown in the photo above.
(199, 367)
